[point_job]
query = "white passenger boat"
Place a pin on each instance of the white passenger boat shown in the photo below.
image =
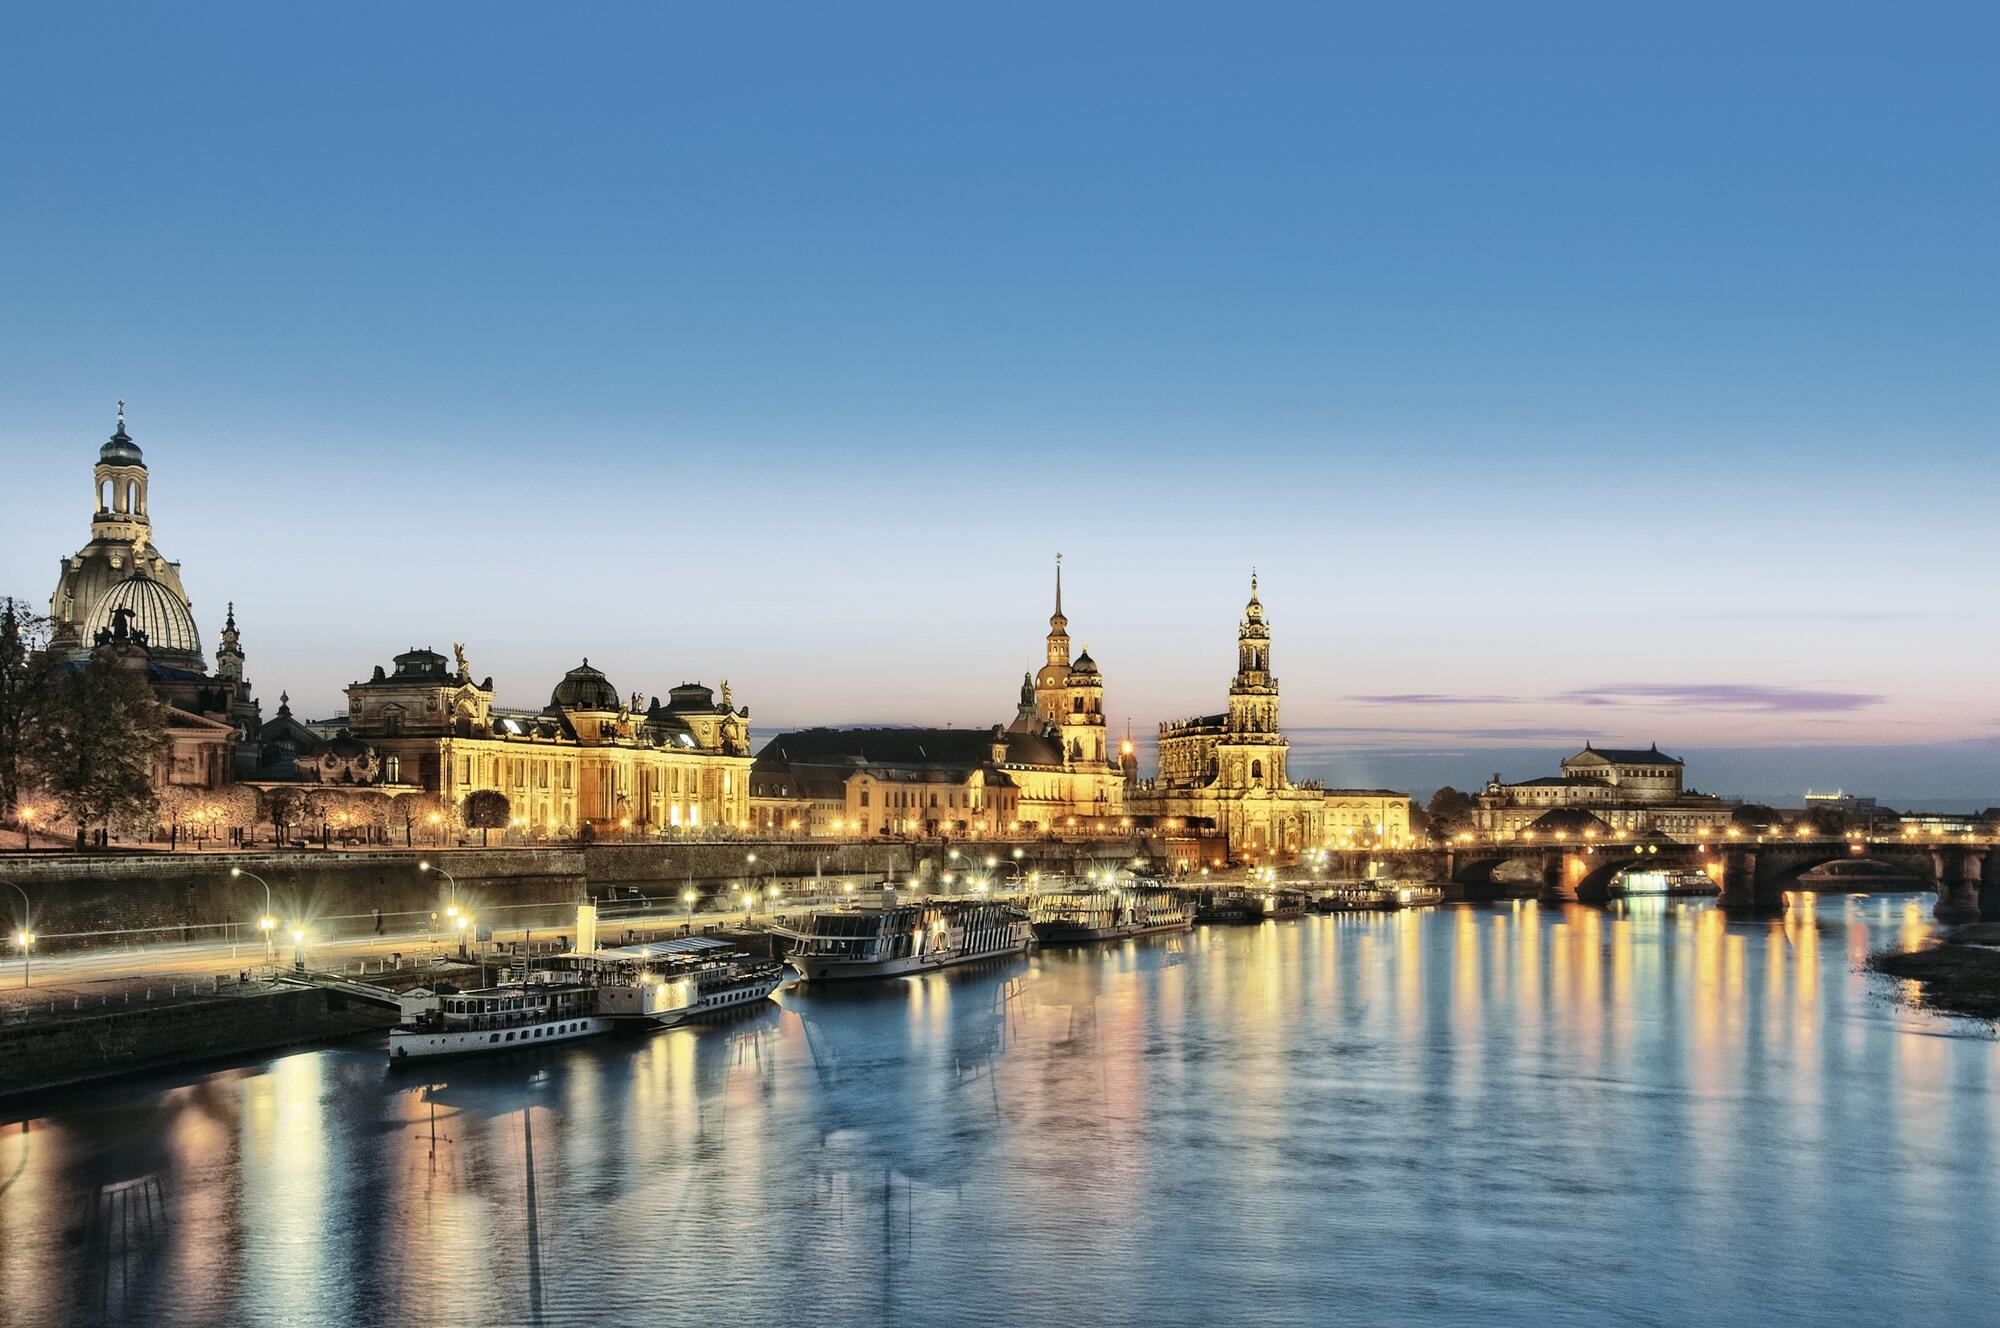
(1072, 914)
(585, 993)
(902, 938)
(544, 1007)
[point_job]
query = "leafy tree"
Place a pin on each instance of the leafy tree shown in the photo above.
(183, 811)
(1828, 821)
(91, 741)
(24, 674)
(1755, 816)
(1420, 821)
(1447, 811)
(285, 807)
(415, 810)
(487, 810)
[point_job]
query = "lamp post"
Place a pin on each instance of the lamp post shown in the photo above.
(425, 866)
(25, 937)
(299, 949)
(27, 822)
(268, 920)
(688, 897)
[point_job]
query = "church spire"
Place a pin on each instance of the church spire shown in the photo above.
(1056, 620)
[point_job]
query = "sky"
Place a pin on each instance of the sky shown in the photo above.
(1565, 371)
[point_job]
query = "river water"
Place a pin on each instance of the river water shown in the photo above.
(1645, 1114)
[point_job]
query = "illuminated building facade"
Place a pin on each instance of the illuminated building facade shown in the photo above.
(1228, 769)
(1367, 817)
(1628, 790)
(1047, 771)
(589, 760)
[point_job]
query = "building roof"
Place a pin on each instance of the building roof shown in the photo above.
(1570, 820)
(1629, 755)
(155, 609)
(119, 449)
(584, 688)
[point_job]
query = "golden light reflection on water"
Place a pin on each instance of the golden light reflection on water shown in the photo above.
(1210, 1128)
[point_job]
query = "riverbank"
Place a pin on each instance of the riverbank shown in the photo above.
(1961, 973)
(109, 1034)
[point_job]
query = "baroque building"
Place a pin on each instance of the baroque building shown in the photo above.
(1228, 769)
(1047, 771)
(590, 761)
(120, 598)
(1603, 789)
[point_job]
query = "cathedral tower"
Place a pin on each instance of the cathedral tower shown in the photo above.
(1052, 681)
(1251, 752)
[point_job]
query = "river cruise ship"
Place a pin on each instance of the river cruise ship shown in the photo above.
(1070, 914)
(722, 981)
(574, 996)
(1249, 904)
(1656, 881)
(900, 938)
(1376, 897)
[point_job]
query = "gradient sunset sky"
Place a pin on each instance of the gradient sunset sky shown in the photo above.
(1565, 370)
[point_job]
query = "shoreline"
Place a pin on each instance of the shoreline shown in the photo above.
(1958, 974)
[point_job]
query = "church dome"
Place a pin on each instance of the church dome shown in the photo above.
(157, 611)
(1084, 665)
(119, 449)
(584, 688)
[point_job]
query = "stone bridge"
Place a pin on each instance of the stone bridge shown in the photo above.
(1752, 876)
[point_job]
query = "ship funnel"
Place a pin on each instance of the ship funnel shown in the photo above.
(586, 929)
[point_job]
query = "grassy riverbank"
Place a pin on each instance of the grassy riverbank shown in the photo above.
(1960, 974)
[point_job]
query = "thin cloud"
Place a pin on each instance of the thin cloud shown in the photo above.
(1754, 698)
(1435, 698)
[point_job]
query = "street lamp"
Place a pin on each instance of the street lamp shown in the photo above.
(464, 921)
(267, 921)
(27, 822)
(425, 866)
(749, 899)
(688, 897)
(298, 948)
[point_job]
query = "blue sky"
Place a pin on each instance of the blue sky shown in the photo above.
(1566, 370)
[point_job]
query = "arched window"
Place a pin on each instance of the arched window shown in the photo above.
(1256, 770)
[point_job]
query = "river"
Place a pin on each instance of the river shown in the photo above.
(1646, 1114)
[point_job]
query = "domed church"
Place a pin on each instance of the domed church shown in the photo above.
(119, 598)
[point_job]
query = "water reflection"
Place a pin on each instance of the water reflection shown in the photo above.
(1639, 1113)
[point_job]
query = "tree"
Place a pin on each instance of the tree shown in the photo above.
(284, 807)
(1448, 809)
(425, 810)
(91, 740)
(487, 810)
(183, 811)
(1829, 821)
(1420, 822)
(1756, 816)
(24, 673)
